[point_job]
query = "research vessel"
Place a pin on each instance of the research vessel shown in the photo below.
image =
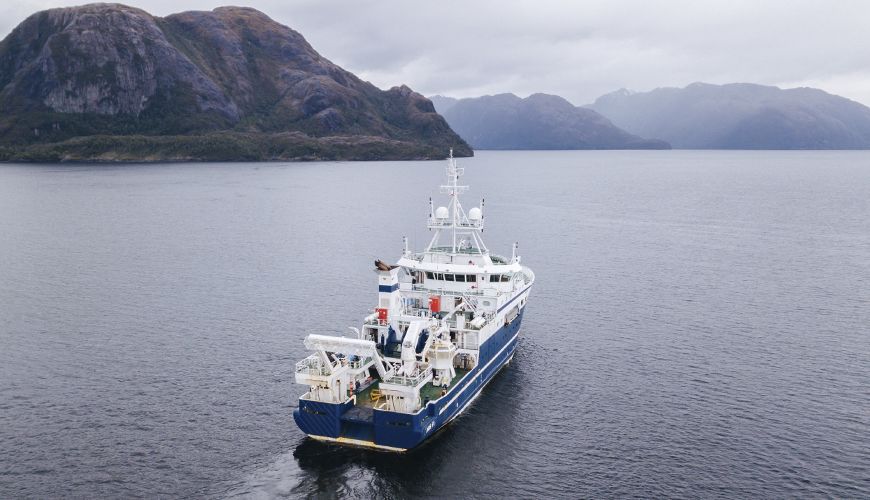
(447, 320)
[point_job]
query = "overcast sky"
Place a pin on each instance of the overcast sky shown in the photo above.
(575, 49)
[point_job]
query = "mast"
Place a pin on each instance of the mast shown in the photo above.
(453, 187)
(455, 218)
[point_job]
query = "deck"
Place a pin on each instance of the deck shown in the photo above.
(364, 397)
(427, 393)
(430, 393)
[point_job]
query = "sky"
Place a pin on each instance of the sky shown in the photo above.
(577, 49)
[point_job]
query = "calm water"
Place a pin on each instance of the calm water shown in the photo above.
(700, 326)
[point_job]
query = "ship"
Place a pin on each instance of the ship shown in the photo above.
(447, 320)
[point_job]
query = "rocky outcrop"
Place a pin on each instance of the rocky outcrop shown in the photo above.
(109, 69)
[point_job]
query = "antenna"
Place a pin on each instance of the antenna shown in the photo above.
(452, 219)
(482, 214)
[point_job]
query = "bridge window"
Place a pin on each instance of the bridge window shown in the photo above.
(471, 278)
(430, 276)
(460, 278)
(448, 277)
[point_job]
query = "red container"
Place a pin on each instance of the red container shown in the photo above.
(382, 315)
(435, 303)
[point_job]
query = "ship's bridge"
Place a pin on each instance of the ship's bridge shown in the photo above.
(456, 260)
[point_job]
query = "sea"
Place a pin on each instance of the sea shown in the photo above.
(699, 327)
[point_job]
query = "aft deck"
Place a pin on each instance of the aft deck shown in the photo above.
(364, 397)
(428, 392)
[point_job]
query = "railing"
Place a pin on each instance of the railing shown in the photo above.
(449, 249)
(359, 363)
(471, 301)
(491, 292)
(312, 365)
(409, 381)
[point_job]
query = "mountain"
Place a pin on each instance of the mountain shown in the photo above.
(740, 116)
(112, 82)
(540, 121)
(443, 103)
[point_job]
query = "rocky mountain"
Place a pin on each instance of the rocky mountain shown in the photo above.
(112, 82)
(740, 116)
(540, 121)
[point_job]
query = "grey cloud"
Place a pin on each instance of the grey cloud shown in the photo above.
(579, 50)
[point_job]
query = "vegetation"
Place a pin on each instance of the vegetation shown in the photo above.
(219, 146)
(107, 82)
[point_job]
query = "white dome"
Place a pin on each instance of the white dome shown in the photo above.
(474, 214)
(441, 213)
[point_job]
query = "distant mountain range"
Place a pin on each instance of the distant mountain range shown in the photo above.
(540, 121)
(111, 82)
(443, 103)
(740, 116)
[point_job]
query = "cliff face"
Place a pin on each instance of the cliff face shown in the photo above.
(540, 121)
(112, 70)
(741, 116)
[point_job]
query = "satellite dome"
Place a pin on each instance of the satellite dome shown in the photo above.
(474, 214)
(441, 213)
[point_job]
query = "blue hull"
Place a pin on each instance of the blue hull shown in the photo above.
(342, 422)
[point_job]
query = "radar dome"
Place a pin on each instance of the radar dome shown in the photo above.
(474, 214)
(441, 213)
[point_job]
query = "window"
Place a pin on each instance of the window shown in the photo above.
(430, 276)
(448, 277)
(460, 278)
(471, 278)
(505, 278)
(494, 278)
(439, 276)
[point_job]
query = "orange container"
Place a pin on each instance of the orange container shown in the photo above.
(435, 303)
(382, 314)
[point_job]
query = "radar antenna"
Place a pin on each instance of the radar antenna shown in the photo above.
(453, 216)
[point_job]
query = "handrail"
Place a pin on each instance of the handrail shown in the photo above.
(408, 381)
(482, 292)
(312, 365)
(359, 363)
